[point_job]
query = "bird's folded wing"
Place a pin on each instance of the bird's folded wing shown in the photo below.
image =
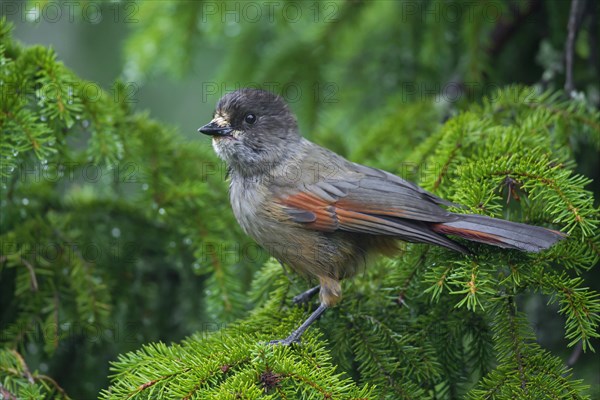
(372, 205)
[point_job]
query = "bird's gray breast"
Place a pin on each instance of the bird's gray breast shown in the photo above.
(263, 219)
(244, 196)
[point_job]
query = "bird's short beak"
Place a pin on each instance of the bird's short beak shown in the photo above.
(213, 129)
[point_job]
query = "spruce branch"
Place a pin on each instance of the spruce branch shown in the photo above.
(233, 361)
(19, 382)
(513, 156)
(522, 364)
(577, 6)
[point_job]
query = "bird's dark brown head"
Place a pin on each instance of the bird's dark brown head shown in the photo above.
(252, 129)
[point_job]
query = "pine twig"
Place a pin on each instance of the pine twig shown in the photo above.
(5, 394)
(573, 27)
(24, 366)
(507, 27)
(575, 354)
(31, 269)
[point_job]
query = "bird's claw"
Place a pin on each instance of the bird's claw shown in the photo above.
(300, 299)
(284, 342)
(304, 297)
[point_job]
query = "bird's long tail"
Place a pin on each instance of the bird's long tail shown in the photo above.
(497, 232)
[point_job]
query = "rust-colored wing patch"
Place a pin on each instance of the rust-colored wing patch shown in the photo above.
(315, 213)
(312, 211)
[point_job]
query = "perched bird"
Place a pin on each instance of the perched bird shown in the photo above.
(323, 215)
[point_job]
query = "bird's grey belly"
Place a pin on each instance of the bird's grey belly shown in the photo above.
(251, 212)
(307, 251)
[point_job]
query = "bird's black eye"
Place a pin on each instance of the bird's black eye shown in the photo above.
(250, 118)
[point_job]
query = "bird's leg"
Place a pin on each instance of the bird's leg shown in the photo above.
(330, 293)
(305, 297)
(295, 336)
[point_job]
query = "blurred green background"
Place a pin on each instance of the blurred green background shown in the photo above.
(368, 79)
(94, 51)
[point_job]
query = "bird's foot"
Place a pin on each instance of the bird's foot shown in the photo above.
(285, 342)
(295, 336)
(305, 297)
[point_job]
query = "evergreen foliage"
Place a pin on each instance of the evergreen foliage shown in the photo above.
(19, 382)
(117, 237)
(461, 333)
(83, 179)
